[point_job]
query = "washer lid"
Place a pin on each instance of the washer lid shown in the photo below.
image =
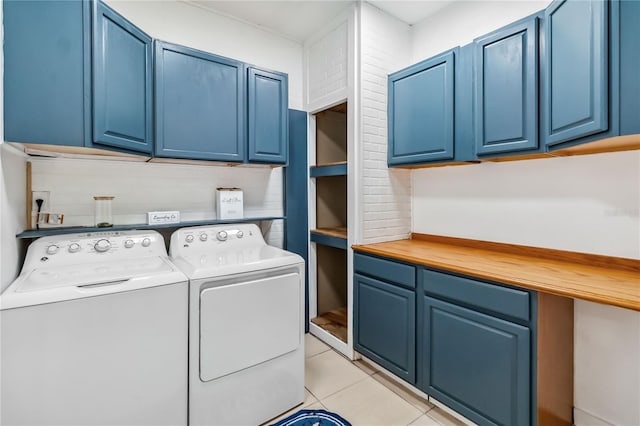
(216, 263)
(68, 282)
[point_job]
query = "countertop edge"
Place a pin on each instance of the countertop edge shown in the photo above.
(510, 280)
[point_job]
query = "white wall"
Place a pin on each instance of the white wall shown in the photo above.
(190, 25)
(462, 21)
(587, 204)
(384, 194)
(140, 187)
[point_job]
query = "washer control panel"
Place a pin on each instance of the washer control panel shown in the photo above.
(91, 246)
(215, 236)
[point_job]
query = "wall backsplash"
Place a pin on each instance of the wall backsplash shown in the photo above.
(140, 187)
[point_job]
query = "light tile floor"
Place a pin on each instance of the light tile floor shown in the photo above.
(360, 394)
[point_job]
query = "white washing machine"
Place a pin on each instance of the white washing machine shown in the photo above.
(246, 324)
(94, 332)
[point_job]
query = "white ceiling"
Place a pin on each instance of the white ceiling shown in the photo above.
(299, 19)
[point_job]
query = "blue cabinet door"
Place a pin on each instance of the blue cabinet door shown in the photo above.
(384, 325)
(267, 101)
(47, 80)
(576, 60)
(477, 364)
(421, 112)
(199, 100)
(122, 82)
(506, 89)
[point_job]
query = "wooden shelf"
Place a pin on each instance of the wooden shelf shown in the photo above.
(333, 169)
(337, 232)
(36, 233)
(333, 237)
(334, 322)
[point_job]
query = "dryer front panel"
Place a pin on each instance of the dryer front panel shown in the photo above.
(247, 323)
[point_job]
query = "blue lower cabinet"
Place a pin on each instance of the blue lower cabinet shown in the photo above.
(477, 364)
(384, 325)
(267, 102)
(47, 72)
(122, 83)
(475, 346)
(200, 108)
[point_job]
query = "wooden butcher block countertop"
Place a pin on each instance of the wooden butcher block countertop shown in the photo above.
(602, 279)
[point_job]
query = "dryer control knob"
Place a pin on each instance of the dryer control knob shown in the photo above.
(102, 246)
(52, 249)
(203, 237)
(189, 238)
(146, 242)
(74, 248)
(222, 236)
(129, 243)
(239, 234)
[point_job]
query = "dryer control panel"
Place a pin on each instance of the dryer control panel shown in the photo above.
(215, 236)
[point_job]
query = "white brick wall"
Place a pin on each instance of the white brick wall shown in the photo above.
(385, 193)
(327, 66)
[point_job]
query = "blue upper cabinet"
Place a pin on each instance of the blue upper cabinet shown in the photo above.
(576, 70)
(267, 102)
(47, 77)
(200, 109)
(421, 112)
(122, 83)
(506, 89)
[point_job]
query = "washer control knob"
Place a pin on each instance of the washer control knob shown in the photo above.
(146, 242)
(102, 246)
(203, 237)
(129, 243)
(222, 236)
(52, 249)
(189, 238)
(239, 234)
(74, 248)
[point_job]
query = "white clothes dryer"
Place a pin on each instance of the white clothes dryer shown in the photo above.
(246, 324)
(94, 332)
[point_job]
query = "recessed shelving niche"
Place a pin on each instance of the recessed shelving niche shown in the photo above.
(330, 231)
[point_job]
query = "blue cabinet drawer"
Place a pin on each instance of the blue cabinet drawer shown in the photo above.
(388, 270)
(509, 302)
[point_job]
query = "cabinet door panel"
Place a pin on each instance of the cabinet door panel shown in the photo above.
(507, 89)
(475, 363)
(384, 327)
(576, 70)
(421, 112)
(199, 105)
(267, 99)
(47, 63)
(122, 78)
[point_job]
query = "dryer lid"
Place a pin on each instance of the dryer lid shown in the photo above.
(217, 263)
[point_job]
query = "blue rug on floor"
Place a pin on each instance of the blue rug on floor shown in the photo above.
(313, 418)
